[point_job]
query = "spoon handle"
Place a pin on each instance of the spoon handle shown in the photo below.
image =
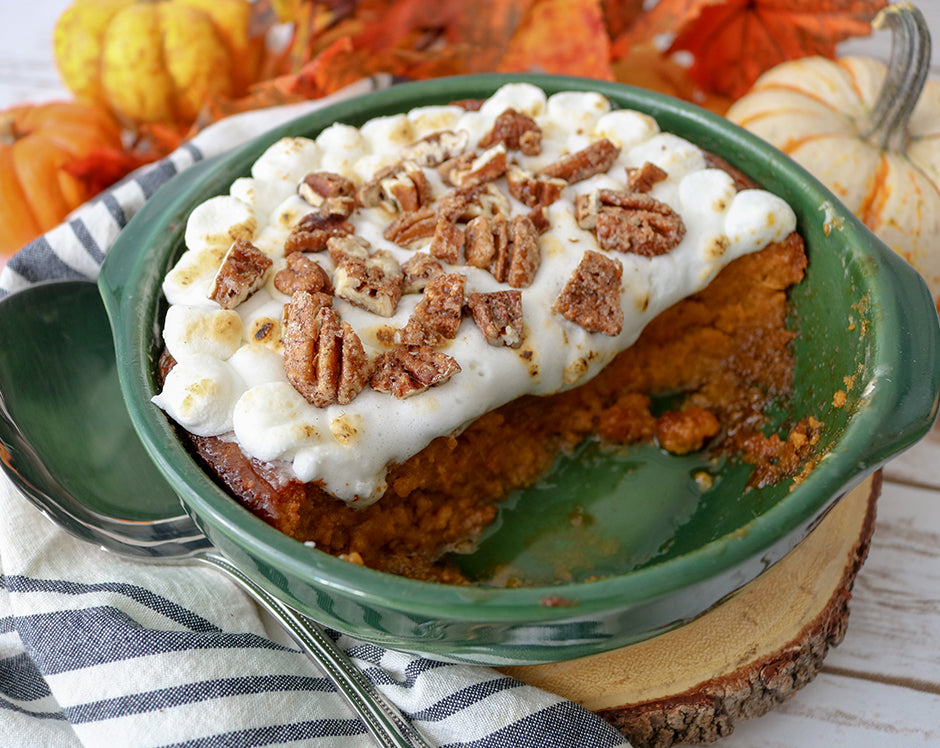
(381, 718)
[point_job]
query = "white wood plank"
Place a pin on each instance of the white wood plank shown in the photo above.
(919, 465)
(839, 712)
(27, 68)
(894, 619)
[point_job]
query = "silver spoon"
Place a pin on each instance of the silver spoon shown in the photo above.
(57, 366)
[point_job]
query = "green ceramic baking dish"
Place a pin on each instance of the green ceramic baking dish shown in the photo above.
(861, 312)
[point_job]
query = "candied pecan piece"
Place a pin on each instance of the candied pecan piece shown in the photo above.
(337, 206)
(539, 217)
(399, 188)
(323, 357)
(591, 297)
(448, 241)
(637, 223)
(408, 190)
(455, 204)
(488, 243)
(313, 231)
(370, 280)
(489, 165)
(418, 270)
(526, 254)
(595, 159)
(533, 190)
(302, 274)
(498, 314)
(316, 186)
(342, 248)
(450, 169)
(407, 370)
(686, 430)
(482, 200)
(517, 131)
(240, 275)
(437, 316)
(642, 179)
(469, 105)
(586, 208)
(436, 148)
(412, 227)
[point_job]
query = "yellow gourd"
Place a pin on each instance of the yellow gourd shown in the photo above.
(156, 60)
(869, 131)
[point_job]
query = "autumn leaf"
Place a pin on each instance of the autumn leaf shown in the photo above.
(645, 66)
(620, 15)
(733, 41)
(561, 36)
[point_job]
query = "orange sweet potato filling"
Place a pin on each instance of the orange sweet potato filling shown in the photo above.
(726, 348)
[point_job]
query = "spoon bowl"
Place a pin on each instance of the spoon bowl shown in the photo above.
(68, 445)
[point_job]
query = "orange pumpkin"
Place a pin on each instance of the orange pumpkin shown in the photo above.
(37, 143)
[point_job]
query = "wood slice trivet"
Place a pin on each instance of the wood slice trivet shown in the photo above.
(738, 660)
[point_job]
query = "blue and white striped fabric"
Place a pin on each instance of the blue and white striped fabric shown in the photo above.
(96, 650)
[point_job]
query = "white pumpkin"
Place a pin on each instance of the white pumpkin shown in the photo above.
(870, 132)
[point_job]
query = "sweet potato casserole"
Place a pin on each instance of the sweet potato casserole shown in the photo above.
(382, 331)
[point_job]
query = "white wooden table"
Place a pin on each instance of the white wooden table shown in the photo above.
(881, 686)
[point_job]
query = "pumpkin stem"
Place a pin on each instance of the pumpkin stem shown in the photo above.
(907, 72)
(8, 134)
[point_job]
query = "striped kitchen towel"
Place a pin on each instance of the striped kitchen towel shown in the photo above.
(96, 650)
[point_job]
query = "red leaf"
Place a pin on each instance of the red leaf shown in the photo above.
(104, 166)
(733, 41)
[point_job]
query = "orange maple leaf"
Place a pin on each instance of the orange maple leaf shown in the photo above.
(561, 36)
(733, 41)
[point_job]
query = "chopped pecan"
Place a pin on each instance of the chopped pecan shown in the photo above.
(454, 205)
(489, 165)
(591, 297)
(595, 159)
(302, 274)
(343, 247)
(452, 167)
(398, 188)
(323, 357)
(408, 190)
(487, 239)
(418, 270)
(407, 370)
(241, 274)
(642, 179)
(436, 148)
(448, 241)
(372, 282)
(499, 316)
(487, 200)
(338, 205)
(517, 131)
(469, 105)
(586, 208)
(539, 217)
(313, 231)
(437, 316)
(533, 190)
(316, 186)
(526, 255)
(412, 227)
(637, 223)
